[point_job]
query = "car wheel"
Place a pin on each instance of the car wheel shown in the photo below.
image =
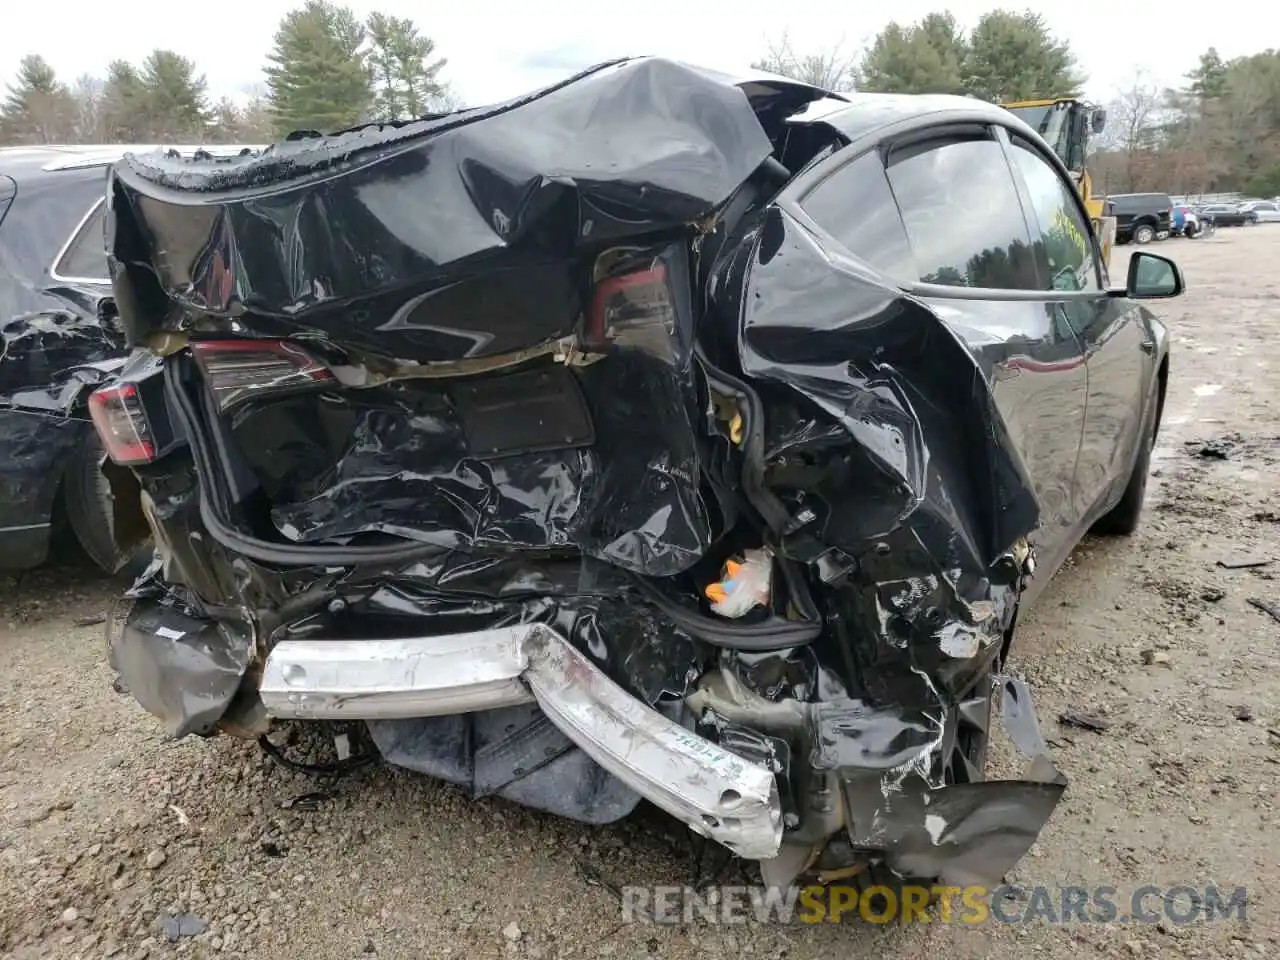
(970, 720)
(1122, 519)
(90, 502)
(1144, 234)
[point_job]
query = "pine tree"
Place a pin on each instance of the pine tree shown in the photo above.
(37, 109)
(316, 72)
(174, 96)
(404, 77)
(927, 57)
(123, 111)
(1208, 81)
(1013, 56)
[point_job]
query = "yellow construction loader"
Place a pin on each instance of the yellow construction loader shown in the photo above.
(1066, 124)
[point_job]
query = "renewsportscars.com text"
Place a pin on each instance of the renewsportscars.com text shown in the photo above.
(1008, 903)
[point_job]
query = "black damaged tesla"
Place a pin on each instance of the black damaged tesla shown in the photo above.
(661, 434)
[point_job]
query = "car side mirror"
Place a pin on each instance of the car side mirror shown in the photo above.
(1098, 122)
(1153, 277)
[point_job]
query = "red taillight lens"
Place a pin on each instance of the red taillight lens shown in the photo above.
(118, 416)
(237, 369)
(628, 300)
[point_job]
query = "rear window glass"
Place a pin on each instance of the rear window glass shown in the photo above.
(86, 257)
(856, 206)
(963, 214)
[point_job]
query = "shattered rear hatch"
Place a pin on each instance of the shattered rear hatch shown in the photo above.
(558, 367)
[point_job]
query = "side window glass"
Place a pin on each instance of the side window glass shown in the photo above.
(1065, 246)
(962, 213)
(855, 205)
(86, 257)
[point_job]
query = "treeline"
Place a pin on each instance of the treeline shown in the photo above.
(327, 70)
(1219, 132)
(1006, 56)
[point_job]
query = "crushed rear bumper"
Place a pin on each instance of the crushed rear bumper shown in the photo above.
(715, 792)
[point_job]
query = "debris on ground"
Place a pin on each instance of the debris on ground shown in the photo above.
(1243, 562)
(1219, 449)
(1243, 712)
(1270, 609)
(1150, 657)
(1085, 721)
(181, 925)
(305, 801)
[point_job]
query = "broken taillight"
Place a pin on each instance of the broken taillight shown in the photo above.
(237, 369)
(635, 298)
(122, 424)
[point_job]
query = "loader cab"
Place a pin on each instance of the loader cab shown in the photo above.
(1065, 124)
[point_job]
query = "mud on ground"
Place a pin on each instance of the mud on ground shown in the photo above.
(105, 826)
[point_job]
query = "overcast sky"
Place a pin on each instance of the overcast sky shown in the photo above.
(498, 50)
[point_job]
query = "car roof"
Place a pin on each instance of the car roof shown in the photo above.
(855, 115)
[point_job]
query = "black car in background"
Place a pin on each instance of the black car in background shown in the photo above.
(58, 336)
(1141, 217)
(1228, 215)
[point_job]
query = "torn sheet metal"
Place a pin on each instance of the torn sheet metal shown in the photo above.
(41, 349)
(764, 392)
(183, 669)
(962, 834)
(624, 150)
(604, 459)
(939, 464)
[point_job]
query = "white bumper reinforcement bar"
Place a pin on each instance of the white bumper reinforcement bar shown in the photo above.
(717, 793)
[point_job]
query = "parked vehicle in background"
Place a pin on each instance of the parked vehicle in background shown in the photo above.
(1066, 124)
(1228, 215)
(60, 337)
(1187, 223)
(1141, 217)
(1267, 211)
(704, 454)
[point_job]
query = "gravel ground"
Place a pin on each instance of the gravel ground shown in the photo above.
(106, 828)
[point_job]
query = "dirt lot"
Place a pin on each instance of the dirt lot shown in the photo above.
(105, 826)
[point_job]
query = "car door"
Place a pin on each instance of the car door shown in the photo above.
(940, 214)
(1118, 348)
(976, 267)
